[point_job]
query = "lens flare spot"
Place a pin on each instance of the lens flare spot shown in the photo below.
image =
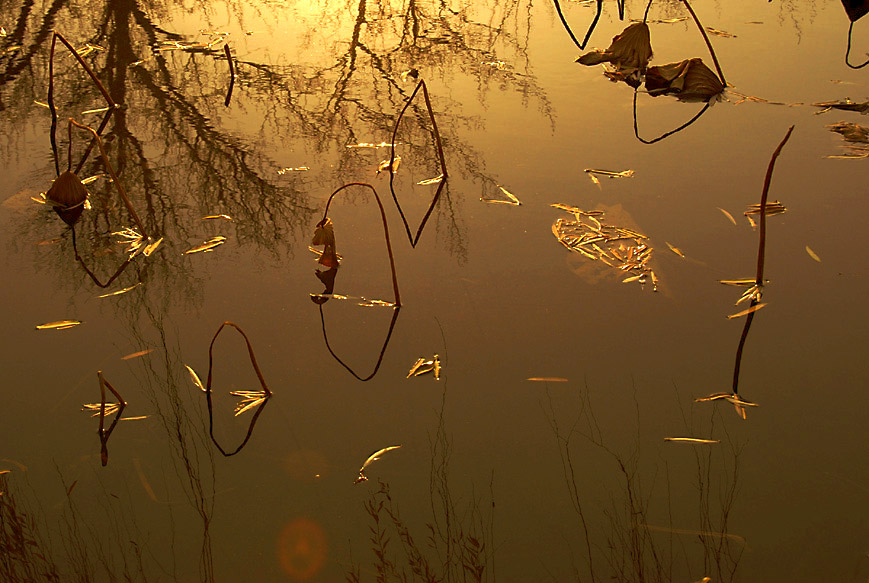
(302, 549)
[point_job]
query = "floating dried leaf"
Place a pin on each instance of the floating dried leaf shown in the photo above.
(435, 180)
(137, 354)
(629, 51)
(610, 173)
(195, 378)
(59, 325)
(747, 282)
(691, 440)
(675, 250)
(727, 214)
(419, 362)
(151, 247)
(812, 254)
(120, 291)
(386, 164)
(688, 80)
(746, 312)
(212, 217)
(207, 245)
(283, 171)
(547, 379)
(373, 457)
(720, 33)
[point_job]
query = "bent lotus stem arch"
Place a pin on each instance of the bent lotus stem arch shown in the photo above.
(385, 229)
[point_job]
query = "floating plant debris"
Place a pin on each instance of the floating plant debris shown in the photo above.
(620, 248)
(435, 180)
(151, 247)
(120, 291)
(95, 408)
(369, 145)
(844, 105)
(283, 171)
(360, 301)
(373, 457)
(727, 214)
(772, 208)
(547, 379)
(385, 165)
(729, 397)
(213, 217)
(207, 245)
(721, 33)
(249, 400)
(195, 378)
(511, 199)
(59, 325)
(857, 138)
(750, 310)
(812, 254)
(688, 80)
(691, 440)
(424, 366)
(675, 250)
(629, 51)
(137, 354)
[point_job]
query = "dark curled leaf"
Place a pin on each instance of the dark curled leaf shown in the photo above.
(688, 80)
(630, 50)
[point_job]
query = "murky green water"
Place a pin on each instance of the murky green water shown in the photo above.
(498, 477)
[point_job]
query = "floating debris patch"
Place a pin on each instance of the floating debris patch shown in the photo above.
(622, 249)
(510, 198)
(424, 366)
(207, 245)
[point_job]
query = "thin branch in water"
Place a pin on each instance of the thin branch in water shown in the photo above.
(231, 74)
(708, 43)
(103, 433)
(761, 252)
(385, 228)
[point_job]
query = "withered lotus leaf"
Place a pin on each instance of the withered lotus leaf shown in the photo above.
(851, 131)
(68, 195)
(629, 50)
(856, 9)
(689, 80)
(324, 235)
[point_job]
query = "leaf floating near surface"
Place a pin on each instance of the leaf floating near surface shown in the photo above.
(60, 325)
(727, 214)
(151, 247)
(195, 378)
(591, 238)
(120, 291)
(592, 172)
(386, 165)
(511, 199)
(94, 408)
(435, 180)
(812, 254)
(857, 137)
(283, 171)
(629, 51)
(721, 33)
(844, 105)
(373, 457)
(772, 208)
(688, 80)
(692, 440)
(208, 245)
(249, 400)
(137, 354)
(746, 312)
(213, 217)
(675, 250)
(747, 282)
(547, 379)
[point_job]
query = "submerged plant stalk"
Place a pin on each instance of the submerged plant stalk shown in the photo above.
(761, 252)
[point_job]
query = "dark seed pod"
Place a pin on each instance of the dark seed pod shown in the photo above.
(68, 196)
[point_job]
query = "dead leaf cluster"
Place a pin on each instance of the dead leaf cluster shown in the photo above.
(622, 249)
